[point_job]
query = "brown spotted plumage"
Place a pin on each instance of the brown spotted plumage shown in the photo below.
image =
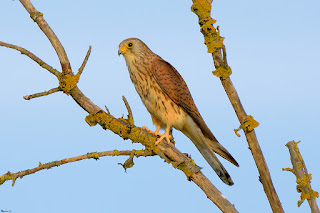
(167, 98)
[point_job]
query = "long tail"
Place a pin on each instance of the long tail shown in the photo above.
(193, 132)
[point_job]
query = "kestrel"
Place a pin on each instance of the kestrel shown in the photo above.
(169, 102)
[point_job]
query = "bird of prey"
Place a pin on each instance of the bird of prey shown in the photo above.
(169, 102)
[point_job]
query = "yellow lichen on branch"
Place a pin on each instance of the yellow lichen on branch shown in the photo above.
(303, 178)
(214, 42)
(35, 15)
(247, 125)
(212, 37)
(222, 72)
(129, 162)
(305, 183)
(94, 155)
(9, 176)
(68, 81)
(107, 121)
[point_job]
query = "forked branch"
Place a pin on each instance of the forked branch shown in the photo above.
(124, 127)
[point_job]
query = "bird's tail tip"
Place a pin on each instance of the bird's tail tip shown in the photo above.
(229, 181)
(224, 175)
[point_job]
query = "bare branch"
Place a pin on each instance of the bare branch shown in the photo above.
(214, 42)
(28, 97)
(32, 56)
(94, 155)
(303, 178)
(130, 117)
(43, 25)
(121, 126)
(213, 193)
(84, 61)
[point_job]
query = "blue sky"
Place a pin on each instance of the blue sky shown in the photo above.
(273, 50)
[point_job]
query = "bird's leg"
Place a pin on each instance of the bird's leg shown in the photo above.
(157, 130)
(166, 135)
(158, 124)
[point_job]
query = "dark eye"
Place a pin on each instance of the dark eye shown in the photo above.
(130, 44)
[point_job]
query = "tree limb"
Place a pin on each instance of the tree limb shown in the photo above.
(303, 178)
(123, 127)
(214, 42)
(130, 117)
(84, 61)
(43, 25)
(40, 94)
(94, 155)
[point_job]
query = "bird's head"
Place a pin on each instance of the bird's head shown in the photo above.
(133, 47)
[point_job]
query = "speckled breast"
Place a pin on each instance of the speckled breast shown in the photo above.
(156, 101)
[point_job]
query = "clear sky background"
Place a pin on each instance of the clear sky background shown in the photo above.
(273, 50)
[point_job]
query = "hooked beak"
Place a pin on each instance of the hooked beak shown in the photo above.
(121, 50)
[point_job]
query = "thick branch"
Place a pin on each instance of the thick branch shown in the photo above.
(213, 193)
(215, 45)
(198, 178)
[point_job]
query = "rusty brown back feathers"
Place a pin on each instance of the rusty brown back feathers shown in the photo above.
(177, 90)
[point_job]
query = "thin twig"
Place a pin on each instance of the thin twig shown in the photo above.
(303, 177)
(94, 155)
(32, 56)
(84, 61)
(130, 117)
(40, 94)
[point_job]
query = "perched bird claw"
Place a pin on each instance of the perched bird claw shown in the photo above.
(163, 136)
(166, 135)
